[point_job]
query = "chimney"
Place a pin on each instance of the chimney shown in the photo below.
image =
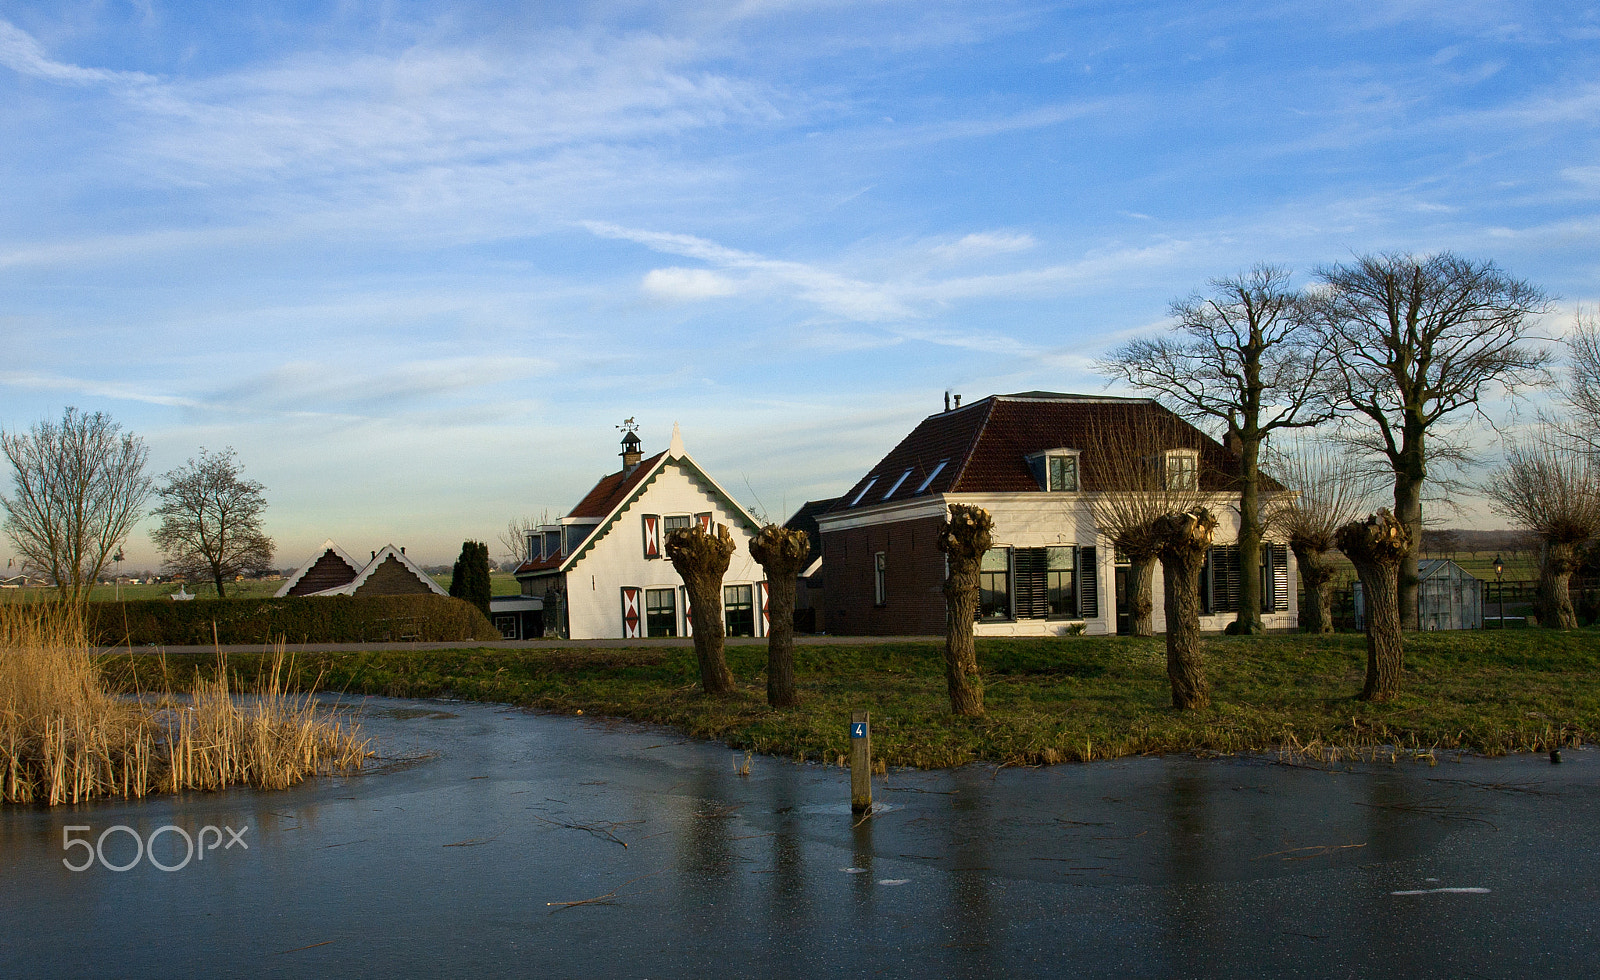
(958, 401)
(374, 554)
(947, 400)
(402, 549)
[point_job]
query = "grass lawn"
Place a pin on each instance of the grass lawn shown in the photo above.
(1049, 700)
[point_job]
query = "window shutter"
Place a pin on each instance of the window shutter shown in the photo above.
(630, 613)
(761, 600)
(705, 521)
(652, 536)
(1088, 584)
(688, 613)
(1280, 578)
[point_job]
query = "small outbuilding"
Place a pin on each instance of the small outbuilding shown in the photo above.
(1448, 597)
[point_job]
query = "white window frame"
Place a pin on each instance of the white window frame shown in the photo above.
(1167, 472)
(880, 578)
(1077, 470)
(864, 491)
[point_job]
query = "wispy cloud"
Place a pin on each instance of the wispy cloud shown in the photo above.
(20, 52)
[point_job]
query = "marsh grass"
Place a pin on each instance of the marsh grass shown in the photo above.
(1067, 699)
(64, 738)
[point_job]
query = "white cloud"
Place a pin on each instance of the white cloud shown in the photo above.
(985, 243)
(20, 52)
(687, 285)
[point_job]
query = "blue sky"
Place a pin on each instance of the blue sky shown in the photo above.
(416, 261)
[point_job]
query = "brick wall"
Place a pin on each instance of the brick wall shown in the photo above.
(913, 576)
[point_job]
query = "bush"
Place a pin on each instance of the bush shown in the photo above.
(292, 619)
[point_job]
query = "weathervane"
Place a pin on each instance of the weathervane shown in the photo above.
(628, 425)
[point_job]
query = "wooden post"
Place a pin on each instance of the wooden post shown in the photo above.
(860, 762)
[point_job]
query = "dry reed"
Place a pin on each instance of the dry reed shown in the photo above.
(65, 739)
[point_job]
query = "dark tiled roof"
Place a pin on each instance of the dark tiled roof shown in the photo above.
(542, 565)
(613, 489)
(987, 443)
(805, 519)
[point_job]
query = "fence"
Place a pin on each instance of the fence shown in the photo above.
(1516, 598)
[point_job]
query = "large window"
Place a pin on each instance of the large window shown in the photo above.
(660, 612)
(880, 587)
(670, 524)
(994, 584)
(738, 606)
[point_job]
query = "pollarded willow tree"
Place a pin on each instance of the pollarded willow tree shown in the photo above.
(1549, 487)
(1377, 546)
(963, 537)
(1416, 342)
(1131, 490)
(1184, 539)
(78, 489)
(1244, 361)
(782, 553)
(1327, 489)
(701, 559)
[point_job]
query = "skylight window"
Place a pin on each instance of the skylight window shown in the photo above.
(897, 483)
(929, 480)
(863, 492)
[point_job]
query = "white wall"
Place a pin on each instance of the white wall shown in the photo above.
(594, 585)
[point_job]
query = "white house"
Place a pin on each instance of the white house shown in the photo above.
(602, 571)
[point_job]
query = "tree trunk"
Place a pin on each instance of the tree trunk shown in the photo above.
(701, 560)
(964, 538)
(1377, 546)
(1557, 561)
(1408, 479)
(782, 552)
(1248, 620)
(1141, 594)
(1316, 574)
(217, 576)
(1185, 538)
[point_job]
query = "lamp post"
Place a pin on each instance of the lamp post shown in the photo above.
(1500, 587)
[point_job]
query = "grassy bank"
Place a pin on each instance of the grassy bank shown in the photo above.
(1049, 700)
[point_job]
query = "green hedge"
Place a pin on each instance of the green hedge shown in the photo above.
(296, 619)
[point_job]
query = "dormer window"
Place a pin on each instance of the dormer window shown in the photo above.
(1181, 469)
(1056, 470)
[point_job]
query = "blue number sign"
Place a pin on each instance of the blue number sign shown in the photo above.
(858, 729)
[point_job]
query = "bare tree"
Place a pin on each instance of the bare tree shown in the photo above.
(1554, 491)
(1239, 360)
(1184, 539)
(78, 489)
(701, 559)
(211, 520)
(1580, 387)
(964, 537)
(514, 539)
(1376, 546)
(1414, 342)
(782, 553)
(1327, 491)
(1130, 492)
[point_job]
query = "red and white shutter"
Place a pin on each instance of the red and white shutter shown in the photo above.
(705, 521)
(688, 614)
(631, 617)
(766, 617)
(652, 536)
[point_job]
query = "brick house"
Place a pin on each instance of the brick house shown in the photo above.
(602, 571)
(1029, 460)
(331, 571)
